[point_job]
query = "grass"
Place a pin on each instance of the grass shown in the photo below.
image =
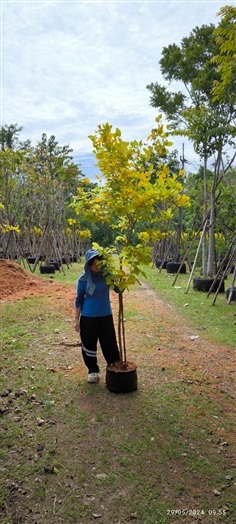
(74, 453)
(218, 322)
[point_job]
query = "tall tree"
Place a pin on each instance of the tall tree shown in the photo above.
(9, 138)
(188, 64)
(208, 123)
(225, 35)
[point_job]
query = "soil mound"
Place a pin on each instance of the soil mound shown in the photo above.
(17, 283)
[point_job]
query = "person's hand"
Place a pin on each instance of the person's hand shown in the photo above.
(77, 326)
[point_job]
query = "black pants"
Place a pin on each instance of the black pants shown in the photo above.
(97, 329)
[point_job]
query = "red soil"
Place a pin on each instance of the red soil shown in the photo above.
(16, 283)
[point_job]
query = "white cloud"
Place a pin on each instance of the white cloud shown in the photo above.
(68, 66)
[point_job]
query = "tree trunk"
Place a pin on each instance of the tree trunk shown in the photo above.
(179, 233)
(121, 331)
(204, 246)
(211, 247)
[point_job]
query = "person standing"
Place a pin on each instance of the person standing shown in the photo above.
(93, 316)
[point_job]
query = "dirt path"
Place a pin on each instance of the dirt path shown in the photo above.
(181, 346)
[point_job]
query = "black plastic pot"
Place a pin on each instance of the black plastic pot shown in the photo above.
(122, 381)
(47, 269)
(204, 284)
(31, 260)
(233, 296)
(173, 267)
(56, 264)
(162, 263)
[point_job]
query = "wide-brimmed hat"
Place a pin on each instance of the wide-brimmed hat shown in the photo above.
(91, 253)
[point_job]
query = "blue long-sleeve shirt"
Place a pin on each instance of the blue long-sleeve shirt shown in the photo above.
(95, 305)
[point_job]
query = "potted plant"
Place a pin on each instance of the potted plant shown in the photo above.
(135, 204)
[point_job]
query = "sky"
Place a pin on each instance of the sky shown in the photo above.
(68, 66)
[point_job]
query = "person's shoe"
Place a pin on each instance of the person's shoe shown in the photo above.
(92, 377)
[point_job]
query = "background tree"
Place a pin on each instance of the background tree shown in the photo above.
(52, 178)
(171, 243)
(225, 218)
(188, 64)
(225, 36)
(9, 137)
(211, 135)
(36, 187)
(11, 200)
(196, 114)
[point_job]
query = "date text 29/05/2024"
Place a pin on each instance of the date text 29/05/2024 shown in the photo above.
(196, 512)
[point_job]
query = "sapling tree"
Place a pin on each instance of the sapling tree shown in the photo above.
(125, 198)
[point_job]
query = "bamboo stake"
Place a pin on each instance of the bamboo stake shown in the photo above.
(195, 260)
(39, 249)
(232, 286)
(222, 278)
(186, 253)
(222, 264)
